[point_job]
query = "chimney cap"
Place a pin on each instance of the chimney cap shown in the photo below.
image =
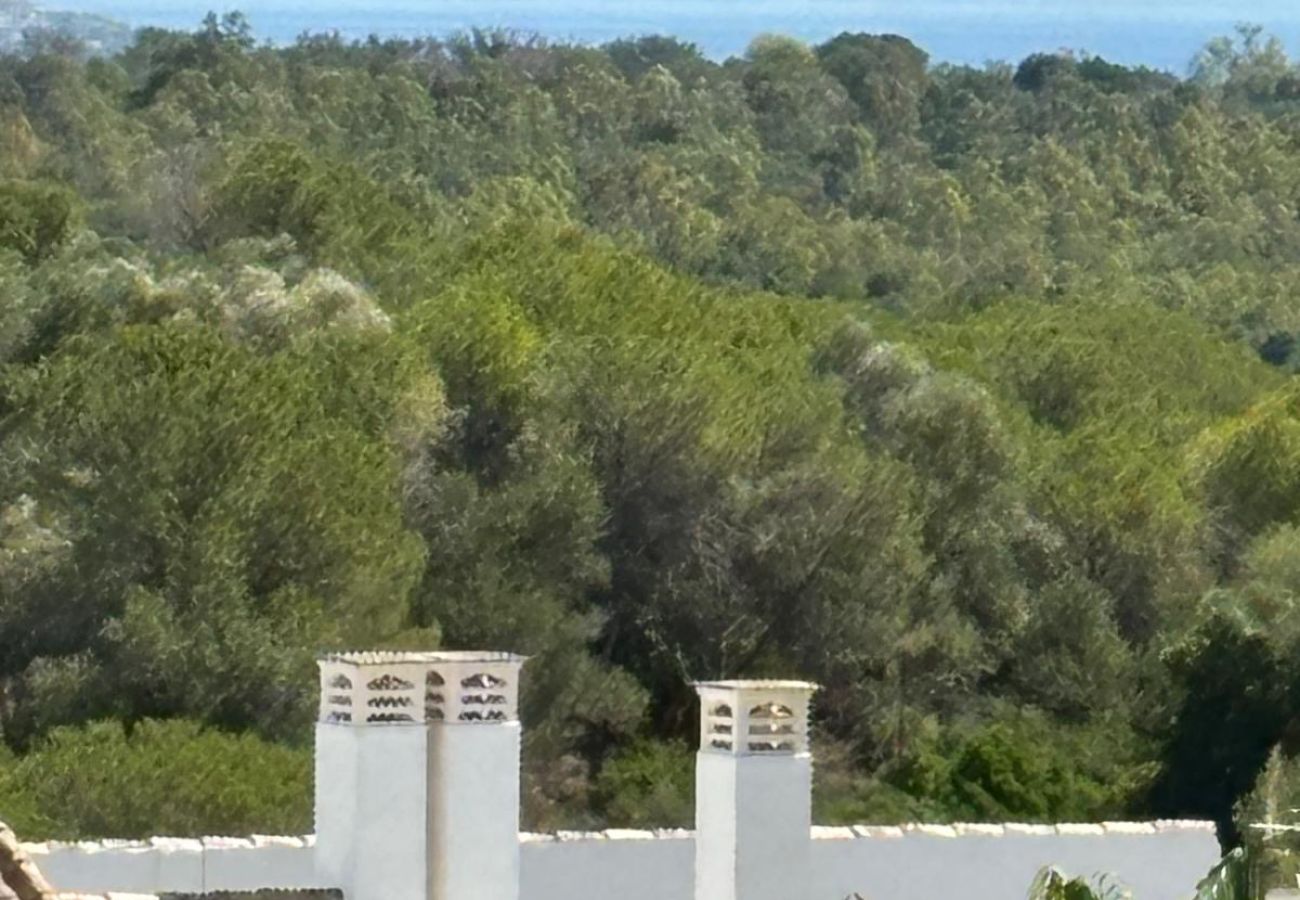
(759, 685)
(399, 657)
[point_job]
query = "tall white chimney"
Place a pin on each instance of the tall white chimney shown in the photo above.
(417, 775)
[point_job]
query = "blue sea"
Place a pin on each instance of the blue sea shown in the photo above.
(1159, 33)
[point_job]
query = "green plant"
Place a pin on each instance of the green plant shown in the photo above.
(1231, 879)
(35, 218)
(1051, 884)
(648, 784)
(173, 777)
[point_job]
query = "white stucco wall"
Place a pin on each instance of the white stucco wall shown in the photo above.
(165, 865)
(389, 829)
(1158, 861)
(750, 810)
(627, 865)
(474, 811)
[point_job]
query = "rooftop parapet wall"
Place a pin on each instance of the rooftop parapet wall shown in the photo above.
(977, 861)
(179, 865)
(1156, 861)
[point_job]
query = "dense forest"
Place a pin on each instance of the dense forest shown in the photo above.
(968, 394)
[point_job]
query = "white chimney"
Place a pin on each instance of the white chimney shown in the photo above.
(753, 791)
(417, 775)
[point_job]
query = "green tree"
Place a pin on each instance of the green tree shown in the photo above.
(36, 218)
(885, 75)
(216, 514)
(1232, 680)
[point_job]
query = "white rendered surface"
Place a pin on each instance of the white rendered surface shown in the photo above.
(981, 862)
(752, 819)
(390, 833)
(928, 863)
(336, 788)
(166, 865)
(392, 688)
(474, 811)
(417, 775)
(231, 864)
(597, 867)
(372, 810)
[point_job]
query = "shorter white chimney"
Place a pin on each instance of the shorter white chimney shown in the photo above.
(753, 788)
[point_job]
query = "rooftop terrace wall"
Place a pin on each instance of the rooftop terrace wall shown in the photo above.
(1157, 860)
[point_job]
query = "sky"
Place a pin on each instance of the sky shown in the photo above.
(1160, 33)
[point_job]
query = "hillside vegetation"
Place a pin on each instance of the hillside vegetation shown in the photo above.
(967, 394)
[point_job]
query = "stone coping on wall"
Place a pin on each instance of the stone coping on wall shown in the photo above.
(819, 832)
(172, 845)
(431, 657)
(986, 829)
(117, 895)
(609, 834)
(279, 893)
(889, 832)
(288, 894)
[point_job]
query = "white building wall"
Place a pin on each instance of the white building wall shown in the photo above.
(752, 818)
(1158, 861)
(390, 831)
(169, 865)
(1161, 861)
(336, 791)
(1000, 862)
(474, 811)
(237, 864)
(627, 865)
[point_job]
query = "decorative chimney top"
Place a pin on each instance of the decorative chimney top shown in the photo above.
(399, 688)
(754, 718)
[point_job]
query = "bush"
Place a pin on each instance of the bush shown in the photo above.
(35, 218)
(650, 784)
(160, 777)
(1025, 767)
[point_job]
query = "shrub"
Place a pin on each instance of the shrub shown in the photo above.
(648, 784)
(159, 777)
(36, 218)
